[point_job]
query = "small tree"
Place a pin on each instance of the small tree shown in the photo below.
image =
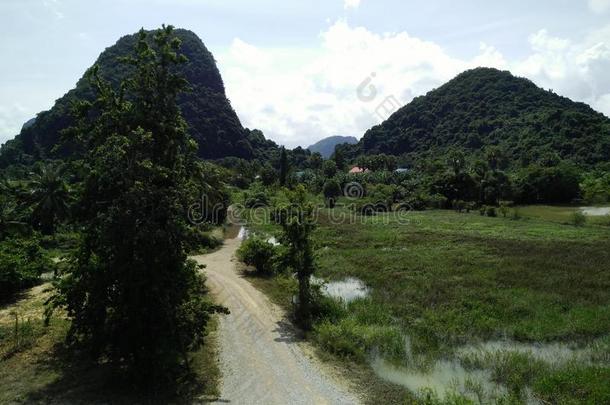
(259, 253)
(329, 168)
(296, 219)
(331, 191)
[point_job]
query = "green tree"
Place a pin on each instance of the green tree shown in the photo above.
(48, 194)
(329, 168)
(283, 167)
(131, 294)
(296, 219)
(331, 191)
(315, 161)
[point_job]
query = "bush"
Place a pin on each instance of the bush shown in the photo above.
(255, 200)
(21, 264)
(198, 240)
(491, 212)
(578, 218)
(258, 253)
(504, 210)
(516, 214)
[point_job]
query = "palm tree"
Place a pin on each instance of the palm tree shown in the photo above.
(8, 223)
(48, 195)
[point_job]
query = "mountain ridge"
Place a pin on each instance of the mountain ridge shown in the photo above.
(212, 121)
(487, 107)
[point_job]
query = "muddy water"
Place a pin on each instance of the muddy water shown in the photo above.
(346, 290)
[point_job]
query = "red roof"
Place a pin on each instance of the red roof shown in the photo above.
(357, 169)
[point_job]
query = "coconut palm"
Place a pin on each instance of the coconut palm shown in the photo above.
(48, 196)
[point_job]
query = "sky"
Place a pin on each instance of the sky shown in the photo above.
(304, 70)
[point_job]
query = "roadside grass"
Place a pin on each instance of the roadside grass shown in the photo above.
(37, 367)
(446, 279)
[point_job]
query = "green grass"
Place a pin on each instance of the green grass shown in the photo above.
(447, 279)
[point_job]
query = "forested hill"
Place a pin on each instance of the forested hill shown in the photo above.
(484, 107)
(326, 146)
(212, 121)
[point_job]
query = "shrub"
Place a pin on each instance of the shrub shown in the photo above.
(255, 200)
(578, 218)
(491, 212)
(198, 239)
(21, 264)
(516, 214)
(504, 210)
(482, 210)
(258, 253)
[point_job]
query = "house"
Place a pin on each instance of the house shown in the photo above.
(356, 170)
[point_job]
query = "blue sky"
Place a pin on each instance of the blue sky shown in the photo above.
(293, 68)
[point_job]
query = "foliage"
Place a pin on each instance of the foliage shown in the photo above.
(259, 253)
(211, 120)
(48, 194)
(483, 107)
(331, 191)
(297, 222)
(578, 218)
(130, 292)
(22, 261)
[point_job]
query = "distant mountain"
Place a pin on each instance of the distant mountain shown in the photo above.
(326, 146)
(484, 107)
(212, 121)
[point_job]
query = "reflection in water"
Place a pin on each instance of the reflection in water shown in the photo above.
(552, 353)
(595, 211)
(443, 378)
(345, 290)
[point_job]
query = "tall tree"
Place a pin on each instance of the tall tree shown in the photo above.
(283, 167)
(132, 295)
(296, 219)
(48, 195)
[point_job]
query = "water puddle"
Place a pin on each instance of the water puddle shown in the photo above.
(444, 378)
(346, 290)
(595, 211)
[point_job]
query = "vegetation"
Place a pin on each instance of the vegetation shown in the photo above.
(447, 279)
(211, 120)
(484, 107)
(296, 220)
(132, 296)
(259, 253)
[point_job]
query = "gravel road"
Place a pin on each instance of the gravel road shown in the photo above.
(262, 360)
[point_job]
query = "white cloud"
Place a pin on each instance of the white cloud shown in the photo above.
(347, 4)
(317, 95)
(298, 96)
(12, 118)
(599, 6)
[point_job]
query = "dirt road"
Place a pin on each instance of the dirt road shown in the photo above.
(262, 361)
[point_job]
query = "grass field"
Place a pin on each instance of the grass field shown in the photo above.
(478, 309)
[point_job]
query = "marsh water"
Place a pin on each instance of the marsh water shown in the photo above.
(346, 290)
(448, 376)
(595, 211)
